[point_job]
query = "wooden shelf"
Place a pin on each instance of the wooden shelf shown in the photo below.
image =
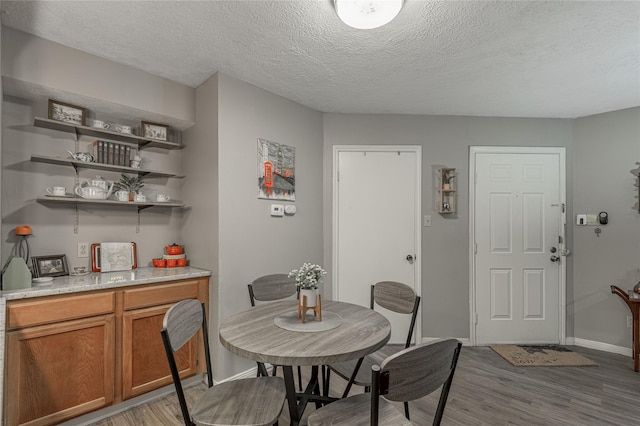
(98, 166)
(82, 201)
(104, 134)
(447, 181)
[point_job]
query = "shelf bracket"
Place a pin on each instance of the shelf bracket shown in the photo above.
(140, 208)
(76, 220)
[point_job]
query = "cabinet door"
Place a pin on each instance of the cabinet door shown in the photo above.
(144, 361)
(59, 371)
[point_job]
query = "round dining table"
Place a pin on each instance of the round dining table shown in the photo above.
(257, 334)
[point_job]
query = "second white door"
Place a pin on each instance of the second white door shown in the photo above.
(518, 204)
(376, 224)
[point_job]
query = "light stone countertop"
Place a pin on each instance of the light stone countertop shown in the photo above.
(104, 280)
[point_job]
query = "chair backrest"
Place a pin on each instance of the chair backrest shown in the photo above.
(271, 287)
(416, 372)
(181, 322)
(397, 297)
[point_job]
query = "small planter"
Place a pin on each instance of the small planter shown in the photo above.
(311, 295)
(309, 299)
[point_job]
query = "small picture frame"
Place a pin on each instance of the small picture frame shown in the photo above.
(68, 113)
(154, 131)
(50, 266)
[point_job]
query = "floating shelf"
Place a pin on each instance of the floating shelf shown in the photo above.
(82, 201)
(448, 182)
(105, 134)
(98, 166)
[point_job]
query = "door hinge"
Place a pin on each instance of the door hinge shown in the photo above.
(563, 206)
(559, 239)
(475, 178)
(476, 319)
(475, 248)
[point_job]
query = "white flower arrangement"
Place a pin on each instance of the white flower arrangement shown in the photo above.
(308, 277)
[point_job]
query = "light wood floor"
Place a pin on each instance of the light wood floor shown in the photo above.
(487, 390)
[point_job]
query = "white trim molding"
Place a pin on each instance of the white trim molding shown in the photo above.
(605, 347)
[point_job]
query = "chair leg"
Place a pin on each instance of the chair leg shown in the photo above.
(326, 381)
(300, 378)
(406, 410)
(275, 370)
(262, 370)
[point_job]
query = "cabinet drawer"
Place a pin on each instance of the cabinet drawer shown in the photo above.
(160, 294)
(47, 310)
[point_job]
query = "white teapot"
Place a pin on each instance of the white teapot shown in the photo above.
(94, 192)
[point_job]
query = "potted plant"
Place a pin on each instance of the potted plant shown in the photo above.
(308, 277)
(130, 184)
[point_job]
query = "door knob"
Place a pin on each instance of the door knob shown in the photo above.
(555, 258)
(552, 249)
(410, 259)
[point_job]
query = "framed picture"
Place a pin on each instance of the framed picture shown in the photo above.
(68, 113)
(50, 266)
(118, 255)
(154, 130)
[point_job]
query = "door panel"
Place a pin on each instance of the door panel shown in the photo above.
(376, 226)
(517, 222)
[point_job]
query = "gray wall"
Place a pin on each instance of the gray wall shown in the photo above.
(250, 242)
(200, 192)
(39, 64)
(606, 151)
(445, 141)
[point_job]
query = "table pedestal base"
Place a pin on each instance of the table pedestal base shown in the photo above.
(298, 401)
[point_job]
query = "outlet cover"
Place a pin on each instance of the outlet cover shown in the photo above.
(83, 249)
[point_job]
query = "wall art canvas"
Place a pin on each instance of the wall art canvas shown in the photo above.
(276, 171)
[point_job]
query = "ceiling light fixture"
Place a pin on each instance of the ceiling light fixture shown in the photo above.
(367, 14)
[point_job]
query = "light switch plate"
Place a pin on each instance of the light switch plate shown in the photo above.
(277, 210)
(426, 221)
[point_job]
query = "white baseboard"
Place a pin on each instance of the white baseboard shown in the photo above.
(576, 341)
(605, 347)
(465, 340)
(252, 372)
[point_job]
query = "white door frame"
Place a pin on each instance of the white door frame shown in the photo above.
(417, 149)
(560, 151)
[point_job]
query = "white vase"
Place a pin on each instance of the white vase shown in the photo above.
(312, 297)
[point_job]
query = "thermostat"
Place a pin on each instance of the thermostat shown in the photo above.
(290, 209)
(277, 210)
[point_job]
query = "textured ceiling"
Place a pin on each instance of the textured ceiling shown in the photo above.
(483, 58)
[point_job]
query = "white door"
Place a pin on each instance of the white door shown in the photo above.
(376, 224)
(518, 227)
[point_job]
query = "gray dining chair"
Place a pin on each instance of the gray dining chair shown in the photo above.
(269, 288)
(405, 376)
(396, 297)
(257, 401)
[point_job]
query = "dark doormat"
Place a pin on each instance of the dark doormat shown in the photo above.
(542, 356)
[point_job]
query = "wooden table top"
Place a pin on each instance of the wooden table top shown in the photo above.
(252, 334)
